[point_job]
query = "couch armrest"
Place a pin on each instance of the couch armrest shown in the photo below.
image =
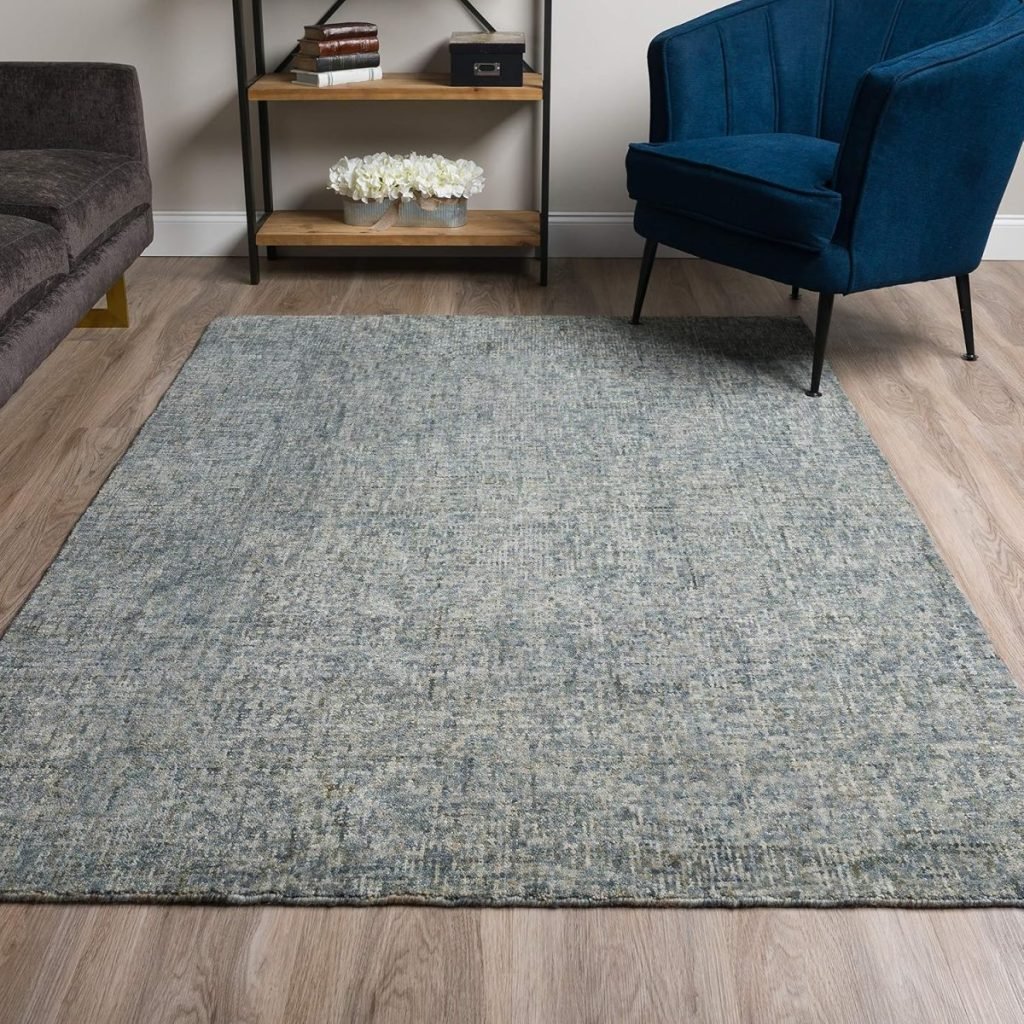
(71, 106)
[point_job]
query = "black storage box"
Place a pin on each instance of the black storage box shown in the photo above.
(488, 58)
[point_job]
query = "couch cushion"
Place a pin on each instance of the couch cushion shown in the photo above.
(82, 194)
(776, 187)
(32, 260)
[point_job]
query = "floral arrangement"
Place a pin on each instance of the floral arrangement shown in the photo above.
(382, 176)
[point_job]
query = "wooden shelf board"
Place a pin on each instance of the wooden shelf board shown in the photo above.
(512, 228)
(420, 86)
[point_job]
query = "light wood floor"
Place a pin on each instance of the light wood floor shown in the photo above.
(954, 434)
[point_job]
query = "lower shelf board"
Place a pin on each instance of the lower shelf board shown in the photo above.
(506, 228)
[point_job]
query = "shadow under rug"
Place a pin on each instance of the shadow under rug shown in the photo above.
(547, 611)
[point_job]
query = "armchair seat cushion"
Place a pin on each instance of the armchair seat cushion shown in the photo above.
(776, 187)
(32, 260)
(83, 195)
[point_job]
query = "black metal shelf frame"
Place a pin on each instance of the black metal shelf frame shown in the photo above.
(254, 221)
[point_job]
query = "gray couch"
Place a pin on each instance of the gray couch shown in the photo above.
(75, 201)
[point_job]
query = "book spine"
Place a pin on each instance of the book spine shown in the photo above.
(329, 78)
(345, 63)
(341, 30)
(339, 47)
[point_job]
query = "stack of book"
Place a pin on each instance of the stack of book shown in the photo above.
(339, 54)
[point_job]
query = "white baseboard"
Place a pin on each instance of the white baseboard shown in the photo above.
(594, 235)
(202, 233)
(1007, 239)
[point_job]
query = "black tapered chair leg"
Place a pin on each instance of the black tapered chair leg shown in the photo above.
(795, 293)
(650, 252)
(963, 293)
(825, 301)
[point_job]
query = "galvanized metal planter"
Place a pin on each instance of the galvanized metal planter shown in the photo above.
(410, 213)
(433, 213)
(364, 215)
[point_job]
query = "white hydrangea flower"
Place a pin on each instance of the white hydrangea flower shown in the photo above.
(382, 176)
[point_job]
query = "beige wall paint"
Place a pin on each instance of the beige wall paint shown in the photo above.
(184, 52)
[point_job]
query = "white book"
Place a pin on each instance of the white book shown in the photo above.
(324, 79)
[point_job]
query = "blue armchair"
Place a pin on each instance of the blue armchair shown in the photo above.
(833, 145)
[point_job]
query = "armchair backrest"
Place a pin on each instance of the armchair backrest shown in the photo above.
(751, 67)
(790, 65)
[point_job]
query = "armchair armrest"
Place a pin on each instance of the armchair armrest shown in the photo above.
(71, 106)
(929, 148)
(747, 68)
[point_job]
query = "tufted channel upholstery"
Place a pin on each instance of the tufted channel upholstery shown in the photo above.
(791, 65)
(836, 145)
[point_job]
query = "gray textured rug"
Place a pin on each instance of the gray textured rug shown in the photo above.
(544, 611)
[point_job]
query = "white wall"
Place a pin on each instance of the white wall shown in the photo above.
(184, 52)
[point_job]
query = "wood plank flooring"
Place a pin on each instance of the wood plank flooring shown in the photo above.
(954, 434)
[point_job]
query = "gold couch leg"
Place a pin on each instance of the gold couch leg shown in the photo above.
(116, 312)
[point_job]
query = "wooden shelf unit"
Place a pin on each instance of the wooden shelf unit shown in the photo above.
(325, 228)
(505, 228)
(275, 88)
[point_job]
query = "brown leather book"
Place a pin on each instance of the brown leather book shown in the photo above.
(341, 30)
(338, 47)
